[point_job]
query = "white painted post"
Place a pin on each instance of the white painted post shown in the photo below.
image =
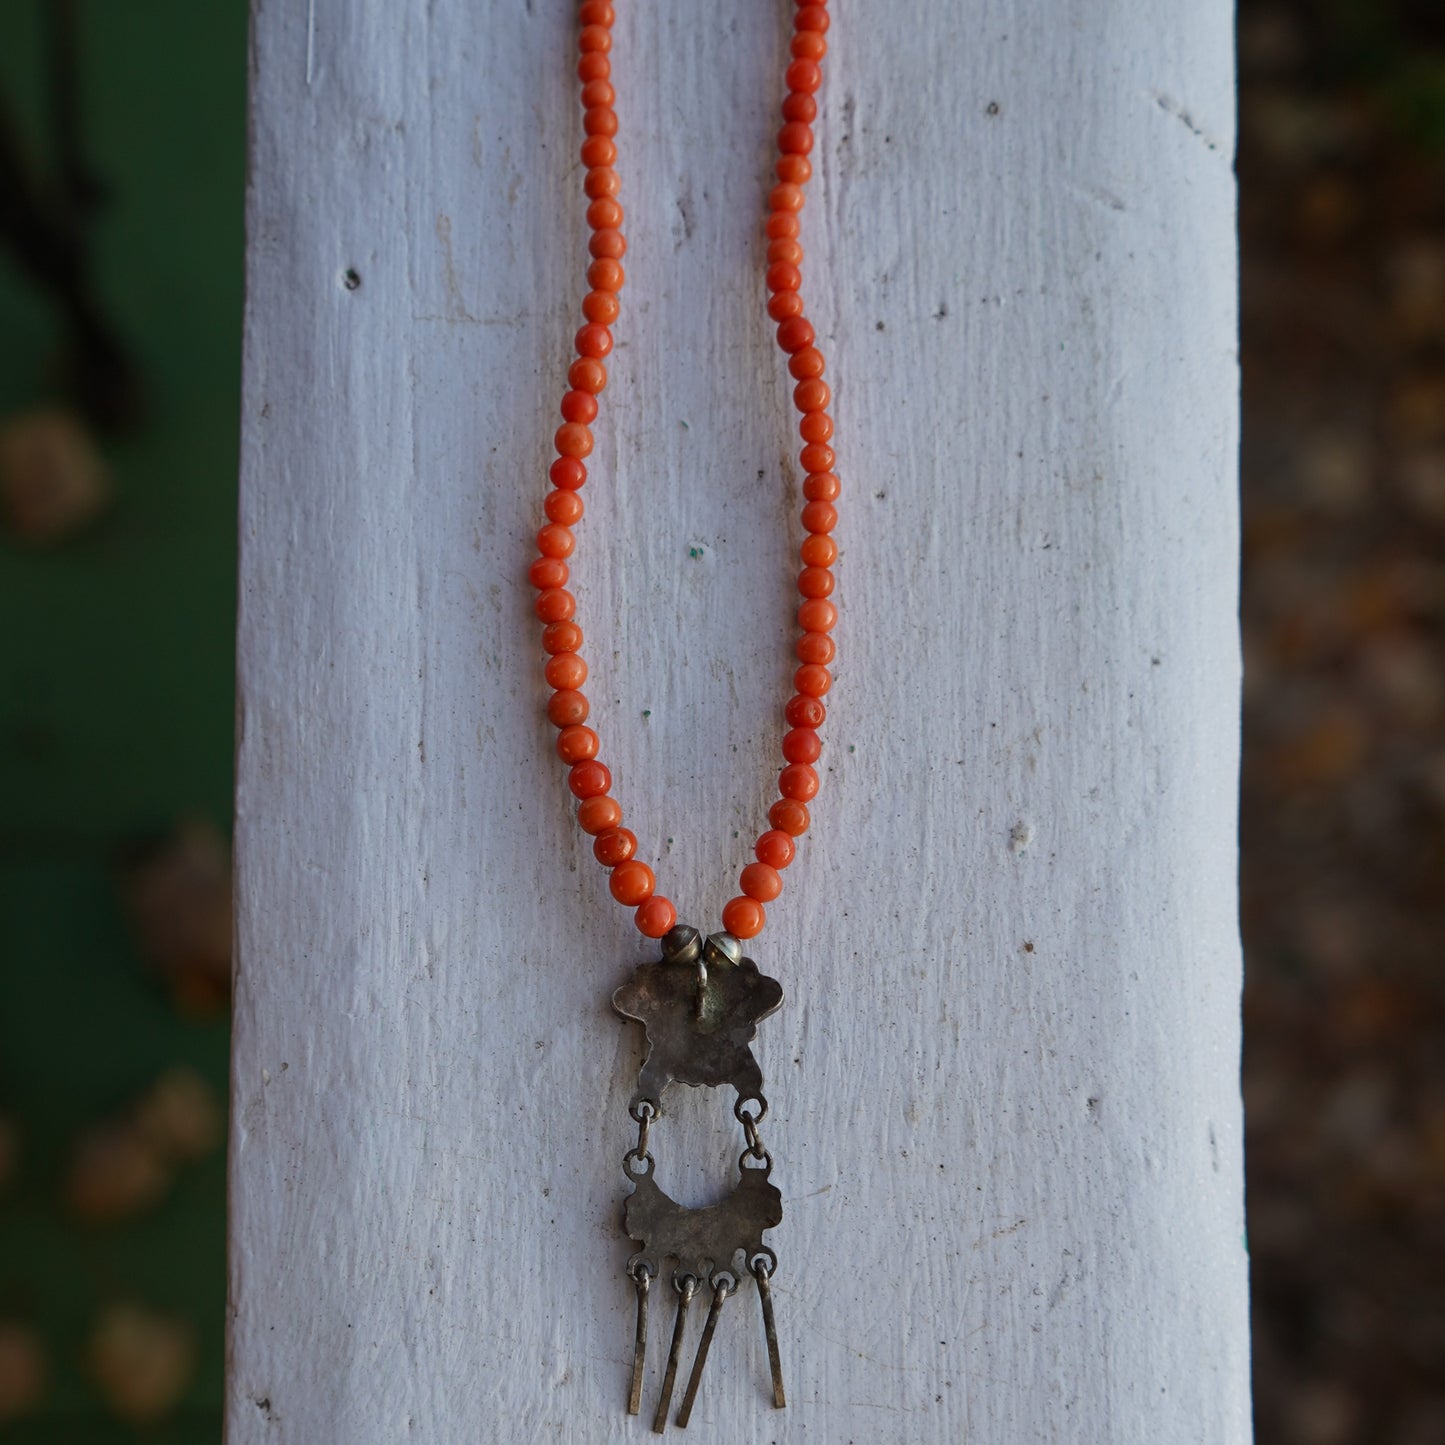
(1006, 1113)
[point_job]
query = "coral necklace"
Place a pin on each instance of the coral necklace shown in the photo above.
(701, 1001)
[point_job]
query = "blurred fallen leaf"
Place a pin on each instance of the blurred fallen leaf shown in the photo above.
(24, 1370)
(141, 1360)
(53, 481)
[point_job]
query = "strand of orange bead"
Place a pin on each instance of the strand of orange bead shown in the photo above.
(632, 881)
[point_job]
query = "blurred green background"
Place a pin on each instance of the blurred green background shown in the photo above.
(120, 305)
(116, 705)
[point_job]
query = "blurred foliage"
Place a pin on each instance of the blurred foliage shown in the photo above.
(117, 580)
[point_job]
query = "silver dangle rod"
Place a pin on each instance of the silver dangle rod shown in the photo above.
(642, 1279)
(719, 1294)
(761, 1273)
(685, 1292)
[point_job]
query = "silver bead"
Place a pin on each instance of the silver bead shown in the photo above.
(682, 944)
(722, 948)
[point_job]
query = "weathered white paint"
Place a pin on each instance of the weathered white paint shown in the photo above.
(1005, 1104)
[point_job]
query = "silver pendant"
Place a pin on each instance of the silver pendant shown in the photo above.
(700, 1006)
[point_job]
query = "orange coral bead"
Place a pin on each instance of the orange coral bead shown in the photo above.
(816, 457)
(784, 197)
(808, 45)
(597, 38)
(775, 848)
(655, 917)
(586, 374)
(600, 120)
(795, 170)
(815, 647)
(567, 472)
(599, 151)
(576, 744)
(790, 816)
(815, 426)
(632, 882)
(597, 814)
(795, 138)
(563, 507)
(815, 582)
(607, 244)
(603, 307)
(812, 680)
(556, 604)
(604, 212)
(806, 363)
(799, 105)
(561, 637)
(590, 779)
(803, 75)
(802, 745)
(596, 12)
(782, 226)
(593, 340)
(555, 541)
(785, 248)
(567, 707)
(593, 66)
(743, 917)
(598, 92)
(548, 572)
(761, 882)
(783, 277)
(579, 406)
(794, 335)
(812, 395)
(817, 614)
(614, 846)
(820, 517)
(805, 712)
(566, 670)
(606, 274)
(784, 305)
(821, 487)
(798, 781)
(816, 551)
(601, 180)
(811, 17)
(573, 440)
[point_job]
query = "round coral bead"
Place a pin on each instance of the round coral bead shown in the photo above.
(815, 582)
(607, 245)
(614, 846)
(632, 882)
(784, 197)
(806, 363)
(803, 711)
(815, 457)
(820, 517)
(567, 473)
(590, 779)
(803, 75)
(566, 671)
(811, 17)
(598, 92)
(567, 707)
(597, 814)
(795, 335)
(783, 277)
(606, 274)
(576, 744)
(802, 745)
(597, 152)
(556, 604)
(586, 374)
(601, 180)
(795, 138)
(815, 647)
(596, 12)
(815, 426)
(817, 550)
(782, 226)
(579, 406)
(594, 340)
(595, 37)
(790, 816)
(561, 636)
(743, 917)
(795, 170)
(563, 507)
(603, 307)
(655, 917)
(812, 680)
(593, 66)
(785, 305)
(573, 439)
(761, 881)
(808, 45)
(775, 848)
(798, 781)
(812, 395)
(821, 487)
(600, 120)
(556, 541)
(799, 105)
(548, 572)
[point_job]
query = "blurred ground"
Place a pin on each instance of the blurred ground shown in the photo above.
(1342, 171)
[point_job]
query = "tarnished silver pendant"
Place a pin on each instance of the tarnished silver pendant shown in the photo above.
(700, 1005)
